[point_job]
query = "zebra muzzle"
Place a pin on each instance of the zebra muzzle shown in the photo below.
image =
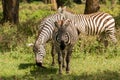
(62, 45)
(40, 65)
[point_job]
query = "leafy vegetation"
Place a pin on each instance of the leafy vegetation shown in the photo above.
(87, 63)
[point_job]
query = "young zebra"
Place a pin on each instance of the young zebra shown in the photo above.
(45, 34)
(100, 23)
(65, 36)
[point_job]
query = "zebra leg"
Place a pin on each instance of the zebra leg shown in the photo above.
(106, 43)
(113, 38)
(60, 62)
(53, 55)
(100, 41)
(64, 57)
(103, 41)
(68, 60)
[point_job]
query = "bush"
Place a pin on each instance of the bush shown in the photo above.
(12, 36)
(7, 36)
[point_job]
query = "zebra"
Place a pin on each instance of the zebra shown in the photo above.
(64, 38)
(99, 23)
(44, 35)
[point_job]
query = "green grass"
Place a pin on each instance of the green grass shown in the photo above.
(17, 61)
(21, 65)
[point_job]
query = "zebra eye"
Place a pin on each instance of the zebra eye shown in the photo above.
(58, 39)
(66, 37)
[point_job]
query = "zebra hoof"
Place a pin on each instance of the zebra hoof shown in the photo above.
(63, 66)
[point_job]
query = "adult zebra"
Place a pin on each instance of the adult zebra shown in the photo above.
(44, 35)
(100, 23)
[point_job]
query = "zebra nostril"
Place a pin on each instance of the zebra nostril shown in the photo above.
(62, 45)
(61, 41)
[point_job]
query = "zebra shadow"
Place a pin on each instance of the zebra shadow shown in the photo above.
(25, 65)
(43, 71)
(38, 70)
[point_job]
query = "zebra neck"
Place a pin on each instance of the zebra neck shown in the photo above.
(43, 39)
(69, 15)
(56, 17)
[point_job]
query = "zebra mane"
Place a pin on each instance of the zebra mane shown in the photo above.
(70, 11)
(65, 12)
(61, 9)
(58, 23)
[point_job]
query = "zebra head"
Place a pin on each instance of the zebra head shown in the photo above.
(63, 33)
(40, 52)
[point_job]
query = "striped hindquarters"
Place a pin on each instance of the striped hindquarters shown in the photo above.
(104, 23)
(95, 24)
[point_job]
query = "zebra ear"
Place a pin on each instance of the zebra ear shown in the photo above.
(60, 10)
